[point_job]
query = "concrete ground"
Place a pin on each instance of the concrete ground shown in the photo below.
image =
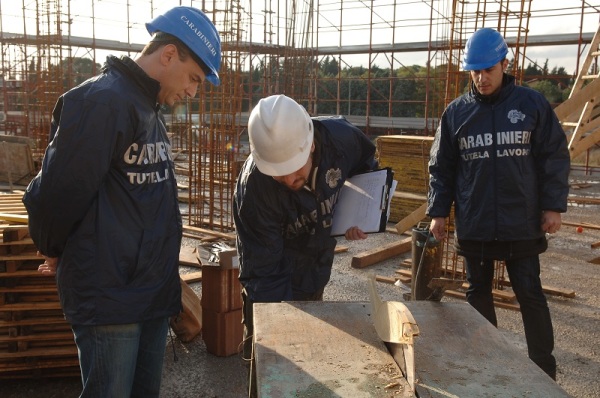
(565, 266)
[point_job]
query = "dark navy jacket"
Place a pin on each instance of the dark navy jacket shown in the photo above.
(501, 162)
(283, 237)
(105, 201)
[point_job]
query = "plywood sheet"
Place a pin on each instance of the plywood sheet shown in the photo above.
(320, 349)
(460, 354)
(331, 349)
(16, 162)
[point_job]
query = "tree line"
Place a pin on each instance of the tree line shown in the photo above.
(402, 92)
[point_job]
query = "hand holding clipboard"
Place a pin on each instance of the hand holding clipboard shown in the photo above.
(364, 202)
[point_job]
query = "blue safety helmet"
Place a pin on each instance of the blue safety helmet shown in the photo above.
(485, 48)
(196, 31)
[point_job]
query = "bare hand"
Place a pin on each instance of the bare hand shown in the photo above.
(551, 221)
(49, 266)
(438, 228)
(355, 233)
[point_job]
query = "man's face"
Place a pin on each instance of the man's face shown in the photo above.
(489, 81)
(179, 80)
(296, 180)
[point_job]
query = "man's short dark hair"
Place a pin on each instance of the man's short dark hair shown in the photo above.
(160, 39)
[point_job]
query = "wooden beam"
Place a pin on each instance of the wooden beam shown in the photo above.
(577, 101)
(188, 257)
(586, 142)
(385, 279)
(228, 236)
(17, 218)
(585, 201)
(555, 291)
(381, 253)
(581, 224)
(191, 277)
(341, 249)
(412, 219)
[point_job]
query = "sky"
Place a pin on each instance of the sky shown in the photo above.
(113, 17)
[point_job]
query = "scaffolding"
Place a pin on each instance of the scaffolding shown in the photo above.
(389, 66)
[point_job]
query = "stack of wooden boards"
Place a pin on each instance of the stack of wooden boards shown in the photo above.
(407, 156)
(35, 339)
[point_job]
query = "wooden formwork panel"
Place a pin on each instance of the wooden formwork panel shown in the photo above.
(408, 157)
(35, 339)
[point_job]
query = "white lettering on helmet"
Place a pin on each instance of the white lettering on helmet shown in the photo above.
(201, 35)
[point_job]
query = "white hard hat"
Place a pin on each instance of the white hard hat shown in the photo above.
(281, 135)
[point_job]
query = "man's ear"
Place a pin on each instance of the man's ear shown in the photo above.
(168, 53)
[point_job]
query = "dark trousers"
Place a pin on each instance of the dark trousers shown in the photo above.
(248, 321)
(524, 274)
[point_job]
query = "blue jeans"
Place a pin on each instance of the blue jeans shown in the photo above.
(524, 274)
(121, 360)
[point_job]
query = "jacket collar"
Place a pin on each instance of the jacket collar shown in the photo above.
(316, 159)
(508, 83)
(147, 85)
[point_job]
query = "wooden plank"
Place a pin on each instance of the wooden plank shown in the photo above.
(385, 279)
(26, 241)
(30, 306)
(17, 218)
(321, 349)
(228, 236)
(188, 257)
(28, 289)
(40, 352)
(581, 224)
(14, 232)
(341, 249)
(191, 277)
(23, 274)
(592, 137)
(507, 306)
(595, 245)
(412, 219)
(460, 354)
(504, 295)
(556, 291)
(68, 336)
(404, 272)
(22, 257)
(42, 368)
(382, 253)
(16, 161)
(577, 101)
(34, 321)
(584, 201)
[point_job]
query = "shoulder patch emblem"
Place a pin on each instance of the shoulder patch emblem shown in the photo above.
(514, 116)
(333, 177)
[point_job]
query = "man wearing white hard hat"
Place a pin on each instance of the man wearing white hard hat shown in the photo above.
(284, 200)
(103, 210)
(500, 156)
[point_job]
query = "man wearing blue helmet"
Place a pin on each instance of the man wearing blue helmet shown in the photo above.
(103, 210)
(500, 156)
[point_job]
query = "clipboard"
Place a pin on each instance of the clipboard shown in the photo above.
(364, 201)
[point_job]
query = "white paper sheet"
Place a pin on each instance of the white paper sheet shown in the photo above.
(362, 201)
